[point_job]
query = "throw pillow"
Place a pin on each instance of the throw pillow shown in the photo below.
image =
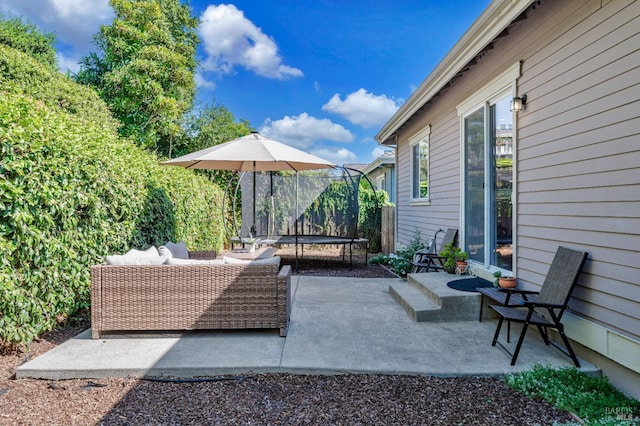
(178, 250)
(165, 252)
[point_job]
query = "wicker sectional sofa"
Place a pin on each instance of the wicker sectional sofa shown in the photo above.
(189, 297)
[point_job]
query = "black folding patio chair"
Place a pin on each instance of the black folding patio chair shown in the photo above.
(545, 309)
(423, 261)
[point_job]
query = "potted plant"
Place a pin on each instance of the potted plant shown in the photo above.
(252, 242)
(503, 282)
(461, 260)
(454, 257)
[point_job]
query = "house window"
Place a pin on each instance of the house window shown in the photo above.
(420, 165)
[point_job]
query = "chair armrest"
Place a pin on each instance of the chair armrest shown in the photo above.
(285, 271)
(522, 293)
(534, 304)
(517, 290)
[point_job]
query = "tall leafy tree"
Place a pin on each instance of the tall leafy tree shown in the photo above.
(24, 36)
(208, 126)
(144, 68)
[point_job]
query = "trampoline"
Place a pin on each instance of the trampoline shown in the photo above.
(304, 208)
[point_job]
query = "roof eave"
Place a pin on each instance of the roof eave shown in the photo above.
(378, 162)
(496, 17)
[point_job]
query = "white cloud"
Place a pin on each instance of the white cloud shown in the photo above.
(337, 156)
(304, 131)
(203, 82)
(377, 152)
(68, 63)
(230, 40)
(363, 108)
(74, 22)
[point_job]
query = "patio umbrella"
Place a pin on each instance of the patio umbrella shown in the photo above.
(251, 153)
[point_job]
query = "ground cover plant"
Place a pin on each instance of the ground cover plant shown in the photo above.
(594, 400)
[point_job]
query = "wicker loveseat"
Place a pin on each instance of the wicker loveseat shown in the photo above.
(189, 297)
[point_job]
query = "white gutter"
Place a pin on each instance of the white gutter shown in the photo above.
(496, 17)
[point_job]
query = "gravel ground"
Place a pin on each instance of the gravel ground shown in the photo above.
(264, 399)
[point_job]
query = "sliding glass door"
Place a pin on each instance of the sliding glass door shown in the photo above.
(488, 184)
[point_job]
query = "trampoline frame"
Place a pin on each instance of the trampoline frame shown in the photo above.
(299, 240)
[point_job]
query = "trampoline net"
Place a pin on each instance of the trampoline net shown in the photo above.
(324, 202)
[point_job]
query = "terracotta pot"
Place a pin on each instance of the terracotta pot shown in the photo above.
(507, 282)
(461, 265)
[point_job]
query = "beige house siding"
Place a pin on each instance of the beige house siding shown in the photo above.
(579, 155)
(442, 210)
(577, 150)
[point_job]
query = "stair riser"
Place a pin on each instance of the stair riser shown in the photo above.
(424, 290)
(447, 306)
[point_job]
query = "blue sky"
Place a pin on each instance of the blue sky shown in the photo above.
(323, 76)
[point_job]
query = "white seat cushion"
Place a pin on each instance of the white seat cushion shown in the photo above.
(177, 261)
(275, 260)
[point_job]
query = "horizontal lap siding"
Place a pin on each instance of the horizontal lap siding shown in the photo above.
(444, 180)
(579, 156)
(578, 151)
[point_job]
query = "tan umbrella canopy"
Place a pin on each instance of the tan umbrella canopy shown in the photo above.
(251, 153)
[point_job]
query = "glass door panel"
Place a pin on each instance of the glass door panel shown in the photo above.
(502, 185)
(474, 169)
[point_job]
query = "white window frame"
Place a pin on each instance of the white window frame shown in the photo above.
(422, 136)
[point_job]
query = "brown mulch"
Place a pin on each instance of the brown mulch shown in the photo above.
(263, 398)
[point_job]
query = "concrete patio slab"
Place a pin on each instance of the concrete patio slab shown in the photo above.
(338, 325)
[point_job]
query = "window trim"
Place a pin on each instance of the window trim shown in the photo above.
(423, 135)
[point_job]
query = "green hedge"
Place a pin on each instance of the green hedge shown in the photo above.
(73, 191)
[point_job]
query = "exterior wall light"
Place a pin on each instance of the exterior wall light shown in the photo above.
(518, 103)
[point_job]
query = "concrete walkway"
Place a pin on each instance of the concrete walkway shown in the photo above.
(338, 325)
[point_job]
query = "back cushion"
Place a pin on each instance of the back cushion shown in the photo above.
(151, 251)
(119, 259)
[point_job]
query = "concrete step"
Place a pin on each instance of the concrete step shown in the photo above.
(426, 297)
(413, 301)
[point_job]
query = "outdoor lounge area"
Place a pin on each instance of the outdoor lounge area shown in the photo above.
(337, 325)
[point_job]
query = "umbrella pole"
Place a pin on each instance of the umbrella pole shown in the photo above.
(253, 227)
(297, 214)
(271, 218)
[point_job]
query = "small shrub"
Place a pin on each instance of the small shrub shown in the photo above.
(400, 262)
(594, 400)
